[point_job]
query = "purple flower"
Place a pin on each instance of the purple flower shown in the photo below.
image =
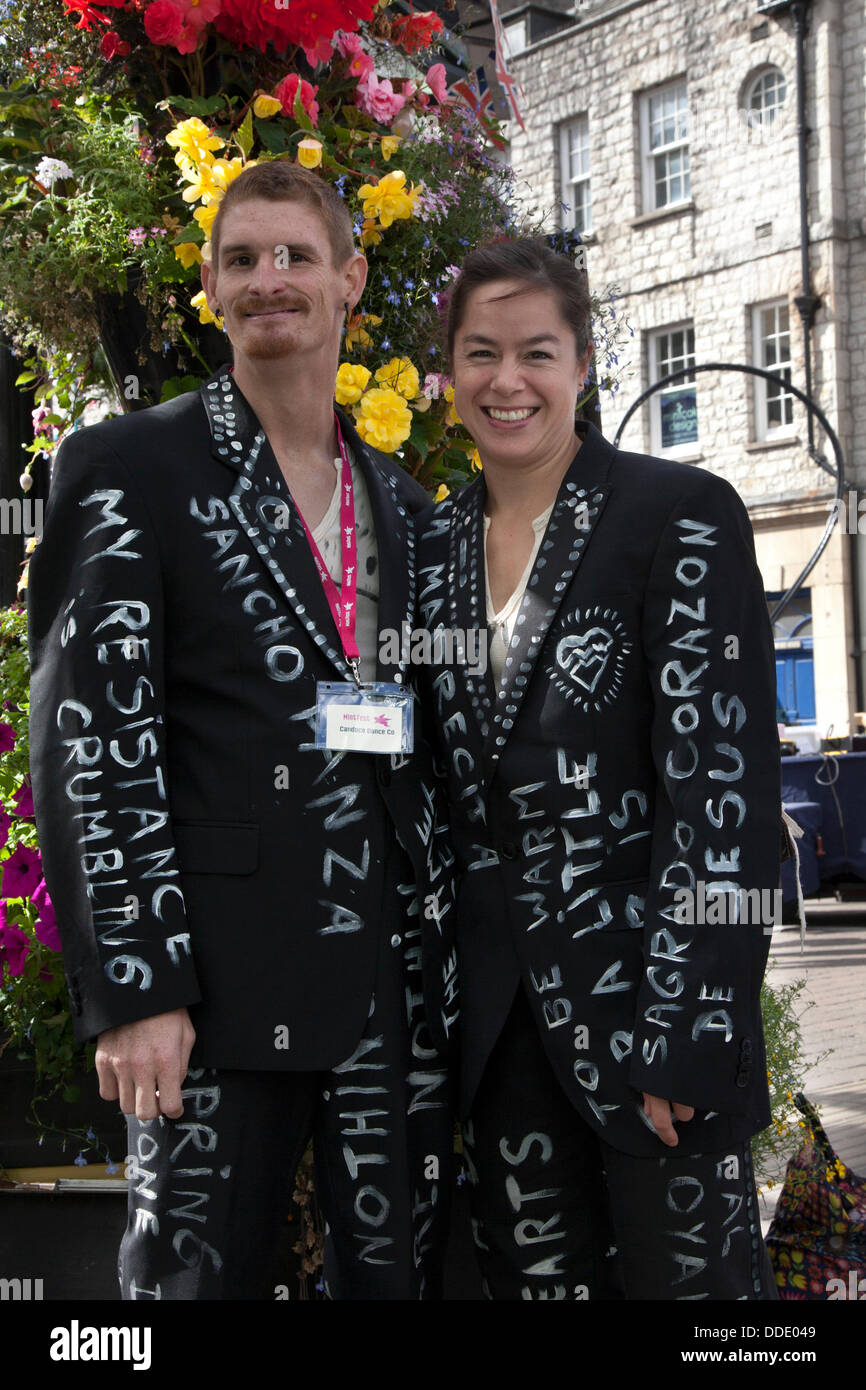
(21, 872)
(80, 1161)
(14, 945)
(46, 926)
(137, 236)
(23, 800)
(111, 1168)
(7, 738)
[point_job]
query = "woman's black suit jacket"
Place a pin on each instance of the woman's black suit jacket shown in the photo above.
(199, 850)
(631, 751)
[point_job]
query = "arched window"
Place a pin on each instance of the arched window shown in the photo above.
(765, 97)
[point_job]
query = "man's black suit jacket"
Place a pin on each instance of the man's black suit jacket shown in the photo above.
(199, 850)
(630, 752)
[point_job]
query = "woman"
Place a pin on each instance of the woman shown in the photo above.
(614, 779)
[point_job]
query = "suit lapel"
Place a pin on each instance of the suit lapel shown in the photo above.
(263, 507)
(579, 503)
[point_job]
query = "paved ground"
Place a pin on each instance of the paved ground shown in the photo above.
(834, 1029)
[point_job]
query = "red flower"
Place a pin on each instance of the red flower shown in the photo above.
(113, 46)
(309, 23)
(163, 22)
(415, 31)
(88, 15)
(287, 91)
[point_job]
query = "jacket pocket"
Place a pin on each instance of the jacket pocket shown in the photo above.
(216, 847)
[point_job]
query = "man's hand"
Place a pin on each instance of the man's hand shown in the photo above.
(143, 1064)
(659, 1113)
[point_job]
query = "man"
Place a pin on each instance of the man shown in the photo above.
(236, 892)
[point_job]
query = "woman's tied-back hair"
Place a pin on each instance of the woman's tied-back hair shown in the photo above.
(281, 180)
(530, 261)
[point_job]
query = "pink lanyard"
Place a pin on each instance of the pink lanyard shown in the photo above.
(342, 600)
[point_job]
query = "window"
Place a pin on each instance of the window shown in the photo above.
(673, 409)
(774, 406)
(664, 143)
(766, 97)
(515, 37)
(795, 659)
(574, 166)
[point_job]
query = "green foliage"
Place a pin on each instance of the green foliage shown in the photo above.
(787, 1065)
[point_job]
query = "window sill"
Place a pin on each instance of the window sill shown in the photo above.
(679, 458)
(757, 446)
(661, 214)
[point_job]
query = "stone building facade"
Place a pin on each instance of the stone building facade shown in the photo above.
(667, 130)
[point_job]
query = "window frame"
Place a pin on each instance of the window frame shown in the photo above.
(754, 115)
(566, 183)
(649, 156)
(654, 336)
(764, 431)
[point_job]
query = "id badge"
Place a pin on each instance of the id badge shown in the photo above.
(375, 717)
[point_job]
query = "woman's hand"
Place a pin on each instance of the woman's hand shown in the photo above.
(662, 1114)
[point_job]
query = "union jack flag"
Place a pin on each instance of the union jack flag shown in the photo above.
(467, 91)
(503, 76)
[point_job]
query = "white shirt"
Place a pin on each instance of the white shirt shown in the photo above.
(501, 624)
(327, 538)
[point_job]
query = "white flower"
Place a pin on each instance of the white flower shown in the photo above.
(48, 171)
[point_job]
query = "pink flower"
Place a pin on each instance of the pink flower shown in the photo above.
(7, 733)
(286, 92)
(164, 22)
(137, 236)
(198, 13)
(360, 62)
(437, 82)
(21, 872)
(46, 926)
(14, 945)
(378, 99)
(23, 800)
(322, 51)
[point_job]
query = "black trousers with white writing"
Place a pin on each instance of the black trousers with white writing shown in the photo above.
(559, 1214)
(210, 1192)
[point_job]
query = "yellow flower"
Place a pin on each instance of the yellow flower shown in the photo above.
(441, 493)
(351, 383)
(193, 140)
(451, 416)
(370, 235)
(475, 461)
(225, 171)
(383, 419)
(188, 254)
(390, 144)
(265, 106)
(401, 376)
(356, 334)
(389, 199)
(310, 152)
(202, 182)
(199, 301)
(205, 216)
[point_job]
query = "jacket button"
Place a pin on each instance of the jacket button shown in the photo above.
(746, 1049)
(508, 850)
(742, 1078)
